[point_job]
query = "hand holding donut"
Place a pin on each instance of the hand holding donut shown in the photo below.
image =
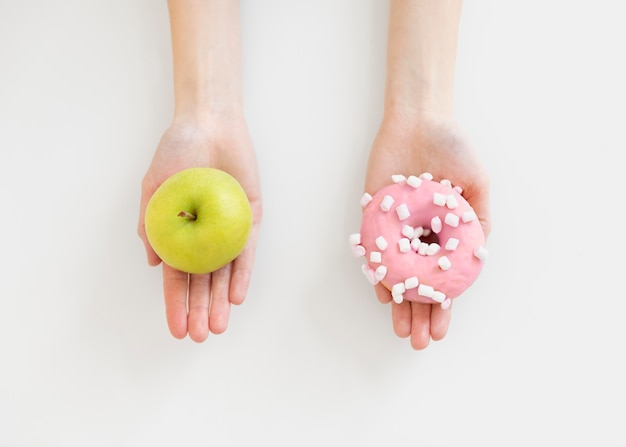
(418, 135)
(401, 151)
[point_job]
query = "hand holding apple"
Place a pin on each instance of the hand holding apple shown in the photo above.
(198, 220)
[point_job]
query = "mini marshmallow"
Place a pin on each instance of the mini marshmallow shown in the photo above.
(436, 225)
(481, 253)
(365, 199)
(398, 178)
(458, 189)
(444, 263)
(380, 272)
(355, 239)
(411, 283)
(369, 274)
(424, 290)
(432, 249)
(426, 176)
(426, 232)
(421, 250)
(403, 211)
(408, 231)
(438, 296)
(375, 256)
(396, 292)
(386, 203)
(415, 243)
(452, 244)
(413, 181)
(398, 288)
(418, 232)
(451, 202)
(452, 220)
(358, 250)
(381, 243)
(404, 245)
(439, 199)
(446, 303)
(469, 216)
(446, 182)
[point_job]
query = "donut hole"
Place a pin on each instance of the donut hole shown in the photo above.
(432, 238)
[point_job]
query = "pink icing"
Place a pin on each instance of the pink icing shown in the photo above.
(465, 266)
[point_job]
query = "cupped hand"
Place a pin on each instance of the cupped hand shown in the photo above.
(410, 144)
(199, 304)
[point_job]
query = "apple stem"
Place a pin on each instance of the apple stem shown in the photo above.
(186, 215)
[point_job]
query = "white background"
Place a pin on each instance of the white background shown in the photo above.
(535, 351)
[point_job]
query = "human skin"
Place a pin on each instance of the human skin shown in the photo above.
(208, 129)
(418, 133)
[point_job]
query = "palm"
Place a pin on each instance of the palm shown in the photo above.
(199, 304)
(410, 147)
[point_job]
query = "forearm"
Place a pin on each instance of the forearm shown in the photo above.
(421, 54)
(206, 46)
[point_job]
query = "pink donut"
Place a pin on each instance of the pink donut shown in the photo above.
(421, 239)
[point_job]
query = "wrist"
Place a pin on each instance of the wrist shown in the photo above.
(195, 104)
(412, 115)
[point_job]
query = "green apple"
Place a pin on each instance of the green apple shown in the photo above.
(198, 220)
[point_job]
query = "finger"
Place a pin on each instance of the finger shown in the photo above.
(382, 293)
(199, 297)
(401, 318)
(439, 321)
(219, 311)
(175, 284)
(242, 270)
(420, 325)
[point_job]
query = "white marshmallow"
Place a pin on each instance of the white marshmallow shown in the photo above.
(426, 232)
(452, 220)
(381, 243)
(439, 199)
(404, 245)
(452, 244)
(438, 296)
(365, 199)
(446, 182)
(436, 225)
(424, 290)
(386, 203)
(451, 202)
(380, 273)
(369, 274)
(358, 250)
(418, 232)
(403, 211)
(458, 189)
(469, 216)
(446, 303)
(398, 178)
(355, 239)
(426, 176)
(397, 298)
(375, 256)
(444, 263)
(415, 243)
(413, 181)
(432, 249)
(411, 283)
(396, 292)
(481, 253)
(421, 249)
(408, 231)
